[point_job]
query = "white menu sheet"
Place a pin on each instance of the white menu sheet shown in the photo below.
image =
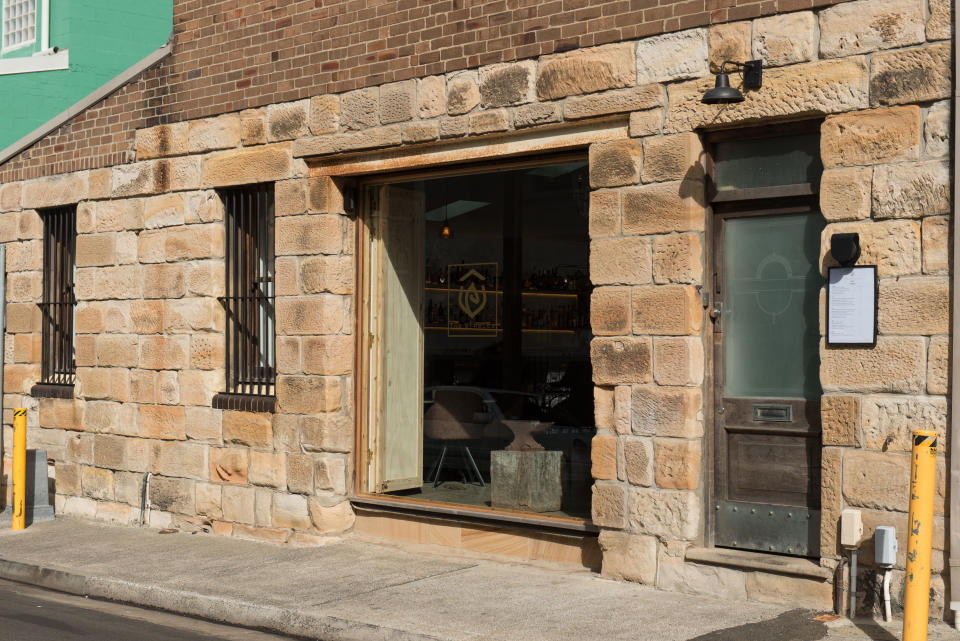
(852, 305)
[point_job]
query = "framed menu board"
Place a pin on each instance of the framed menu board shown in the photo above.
(852, 305)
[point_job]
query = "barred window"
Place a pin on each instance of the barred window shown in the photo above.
(249, 299)
(59, 246)
(19, 23)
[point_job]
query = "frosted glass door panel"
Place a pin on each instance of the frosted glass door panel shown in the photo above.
(767, 162)
(771, 289)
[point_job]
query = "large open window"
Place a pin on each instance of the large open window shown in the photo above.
(479, 390)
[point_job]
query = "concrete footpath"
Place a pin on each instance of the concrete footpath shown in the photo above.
(354, 590)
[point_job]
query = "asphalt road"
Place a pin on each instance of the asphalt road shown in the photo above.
(32, 614)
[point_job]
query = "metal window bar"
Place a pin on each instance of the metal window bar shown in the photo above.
(249, 300)
(57, 364)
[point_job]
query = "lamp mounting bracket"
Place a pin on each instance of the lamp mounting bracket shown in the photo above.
(752, 71)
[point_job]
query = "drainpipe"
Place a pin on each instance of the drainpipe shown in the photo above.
(955, 349)
(3, 304)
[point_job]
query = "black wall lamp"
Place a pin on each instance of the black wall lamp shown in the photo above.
(723, 93)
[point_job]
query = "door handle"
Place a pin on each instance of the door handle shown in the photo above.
(715, 313)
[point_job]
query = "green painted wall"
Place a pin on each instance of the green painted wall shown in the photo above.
(104, 37)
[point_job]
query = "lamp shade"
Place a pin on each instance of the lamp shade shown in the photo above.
(722, 93)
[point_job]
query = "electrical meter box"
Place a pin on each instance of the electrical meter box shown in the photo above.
(851, 528)
(885, 545)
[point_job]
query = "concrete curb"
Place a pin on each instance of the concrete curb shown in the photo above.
(205, 606)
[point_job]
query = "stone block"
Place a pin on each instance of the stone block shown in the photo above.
(878, 480)
(615, 163)
(785, 39)
(622, 409)
(677, 258)
(398, 101)
(938, 365)
(526, 481)
(51, 191)
(118, 350)
(646, 123)
(327, 433)
(896, 364)
(638, 456)
(263, 163)
(286, 121)
(840, 420)
(463, 92)
(360, 109)
(173, 494)
(678, 361)
(608, 508)
(675, 157)
(431, 96)
(730, 41)
(613, 102)
(324, 114)
(507, 84)
(672, 56)
(324, 195)
(666, 309)
(388, 136)
(10, 196)
(141, 178)
(238, 503)
(331, 473)
(95, 249)
(621, 360)
(331, 519)
(164, 352)
(936, 131)
(586, 71)
(28, 256)
(604, 213)
(163, 211)
(454, 127)
(939, 25)
(663, 208)
(666, 411)
(868, 25)
(935, 236)
(610, 311)
(253, 127)
(179, 458)
(828, 86)
(328, 355)
(918, 305)
(872, 137)
(889, 420)
(308, 394)
(539, 113)
(603, 457)
(208, 134)
(629, 557)
(146, 316)
(620, 261)
(300, 473)
(676, 575)
(97, 483)
(268, 469)
(291, 511)
(603, 407)
(194, 242)
(485, 122)
(910, 75)
(162, 140)
(322, 314)
(845, 193)
(162, 422)
(893, 246)
(415, 132)
(23, 317)
(229, 465)
(314, 234)
(667, 514)
(163, 281)
(677, 464)
(777, 588)
(208, 497)
(911, 190)
(253, 429)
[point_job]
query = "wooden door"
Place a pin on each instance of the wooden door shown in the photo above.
(766, 291)
(397, 222)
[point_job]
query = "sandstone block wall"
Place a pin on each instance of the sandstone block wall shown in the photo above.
(150, 266)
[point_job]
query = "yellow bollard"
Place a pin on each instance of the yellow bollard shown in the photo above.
(19, 468)
(923, 473)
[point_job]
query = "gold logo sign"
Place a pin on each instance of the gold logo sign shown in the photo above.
(472, 298)
(473, 305)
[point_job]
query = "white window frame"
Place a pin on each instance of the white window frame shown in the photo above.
(47, 59)
(36, 27)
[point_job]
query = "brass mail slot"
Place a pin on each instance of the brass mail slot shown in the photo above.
(777, 413)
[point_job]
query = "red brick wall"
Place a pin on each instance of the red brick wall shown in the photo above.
(234, 54)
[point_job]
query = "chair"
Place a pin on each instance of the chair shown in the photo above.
(456, 418)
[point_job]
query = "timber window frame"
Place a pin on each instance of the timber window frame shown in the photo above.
(248, 300)
(57, 361)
